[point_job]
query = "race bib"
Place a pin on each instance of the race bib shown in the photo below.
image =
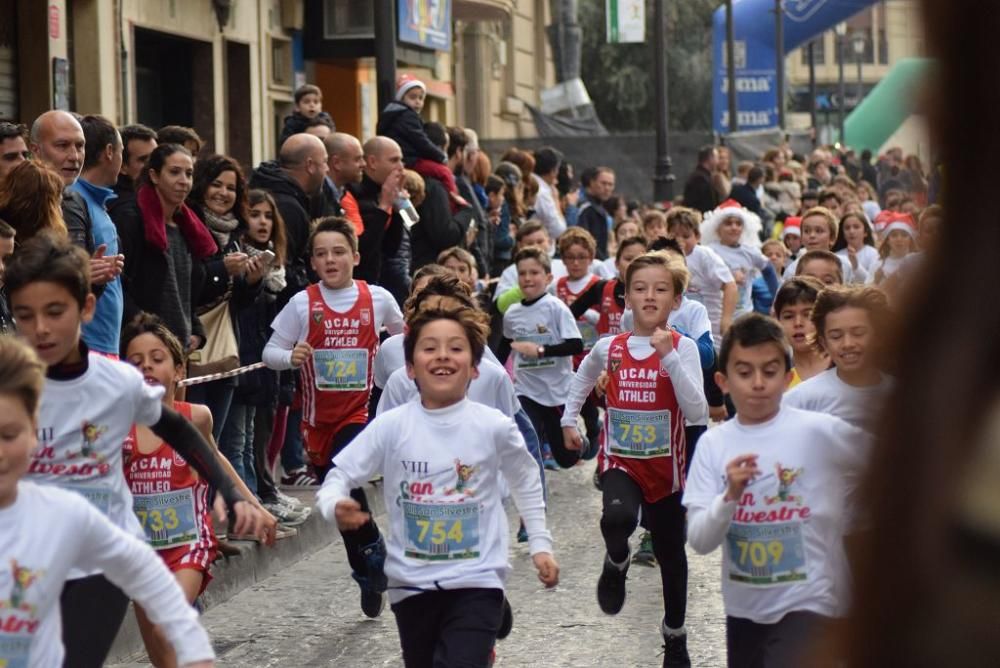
(538, 362)
(762, 555)
(441, 532)
(15, 650)
(341, 370)
(99, 497)
(589, 334)
(168, 519)
(639, 434)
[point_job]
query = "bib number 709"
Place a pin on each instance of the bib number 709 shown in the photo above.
(758, 552)
(438, 533)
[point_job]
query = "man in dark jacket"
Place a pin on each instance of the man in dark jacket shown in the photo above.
(376, 196)
(138, 142)
(699, 193)
(297, 174)
(437, 229)
(463, 152)
(346, 162)
(593, 217)
(746, 193)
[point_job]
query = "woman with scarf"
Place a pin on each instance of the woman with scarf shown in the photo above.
(166, 244)
(219, 198)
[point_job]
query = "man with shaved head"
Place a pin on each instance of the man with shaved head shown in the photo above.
(376, 193)
(295, 177)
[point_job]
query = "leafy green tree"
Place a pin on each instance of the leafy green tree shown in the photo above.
(620, 77)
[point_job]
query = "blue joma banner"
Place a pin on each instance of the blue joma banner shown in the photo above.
(756, 87)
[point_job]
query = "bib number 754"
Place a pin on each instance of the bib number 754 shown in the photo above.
(438, 533)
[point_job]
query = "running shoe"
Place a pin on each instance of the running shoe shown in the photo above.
(289, 501)
(506, 621)
(611, 587)
(675, 651)
(290, 517)
(374, 583)
(597, 478)
(548, 461)
(644, 555)
(302, 478)
(589, 448)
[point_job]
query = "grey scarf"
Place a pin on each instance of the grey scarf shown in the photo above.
(221, 227)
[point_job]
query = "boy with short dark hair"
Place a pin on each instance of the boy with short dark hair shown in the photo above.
(308, 107)
(771, 487)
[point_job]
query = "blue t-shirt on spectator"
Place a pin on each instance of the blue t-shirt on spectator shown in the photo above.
(102, 334)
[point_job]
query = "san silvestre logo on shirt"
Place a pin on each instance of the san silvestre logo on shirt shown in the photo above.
(791, 506)
(91, 462)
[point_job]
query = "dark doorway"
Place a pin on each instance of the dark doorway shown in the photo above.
(239, 139)
(173, 83)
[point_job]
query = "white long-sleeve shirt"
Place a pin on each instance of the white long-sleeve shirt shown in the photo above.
(448, 529)
(782, 541)
(47, 532)
(492, 388)
(547, 208)
(291, 325)
(682, 363)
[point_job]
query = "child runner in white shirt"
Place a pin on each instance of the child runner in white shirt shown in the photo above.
(88, 407)
(543, 335)
(819, 232)
(732, 232)
(441, 457)
(793, 307)
(771, 487)
(900, 241)
(654, 384)
(45, 532)
(850, 327)
(856, 242)
(331, 331)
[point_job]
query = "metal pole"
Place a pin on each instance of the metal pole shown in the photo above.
(841, 85)
(663, 180)
(812, 92)
(385, 51)
(779, 49)
(861, 88)
(734, 124)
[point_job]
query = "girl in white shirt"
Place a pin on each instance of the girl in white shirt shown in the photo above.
(850, 326)
(441, 457)
(46, 531)
(900, 241)
(856, 242)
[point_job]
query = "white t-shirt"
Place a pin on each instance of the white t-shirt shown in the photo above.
(746, 260)
(82, 424)
(682, 364)
(610, 270)
(47, 533)
(447, 527)
(547, 321)
(867, 257)
(291, 325)
(827, 393)
(547, 209)
(492, 388)
(782, 542)
(708, 274)
(889, 266)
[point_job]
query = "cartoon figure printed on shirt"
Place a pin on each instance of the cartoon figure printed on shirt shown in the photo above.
(91, 432)
(465, 473)
(23, 578)
(786, 477)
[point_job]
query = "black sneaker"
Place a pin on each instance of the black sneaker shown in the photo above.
(374, 583)
(611, 587)
(675, 651)
(506, 621)
(597, 478)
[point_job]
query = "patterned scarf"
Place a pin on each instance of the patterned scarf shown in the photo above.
(221, 227)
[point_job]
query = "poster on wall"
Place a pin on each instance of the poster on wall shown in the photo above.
(425, 23)
(626, 21)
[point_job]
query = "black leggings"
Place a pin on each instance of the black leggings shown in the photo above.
(664, 520)
(545, 420)
(367, 533)
(92, 612)
(779, 645)
(692, 434)
(450, 628)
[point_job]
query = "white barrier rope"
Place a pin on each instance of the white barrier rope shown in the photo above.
(198, 380)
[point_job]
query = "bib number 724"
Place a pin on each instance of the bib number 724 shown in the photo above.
(341, 369)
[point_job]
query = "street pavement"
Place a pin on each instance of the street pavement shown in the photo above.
(309, 615)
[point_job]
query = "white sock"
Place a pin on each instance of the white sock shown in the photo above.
(623, 565)
(671, 633)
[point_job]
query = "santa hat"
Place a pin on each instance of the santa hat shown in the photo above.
(901, 221)
(882, 220)
(793, 225)
(407, 82)
(729, 209)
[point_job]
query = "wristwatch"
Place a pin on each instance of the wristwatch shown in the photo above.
(541, 351)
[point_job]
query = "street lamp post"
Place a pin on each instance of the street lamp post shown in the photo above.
(385, 51)
(858, 42)
(841, 31)
(663, 180)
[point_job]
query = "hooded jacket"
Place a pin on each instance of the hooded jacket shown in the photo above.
(399, 122)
